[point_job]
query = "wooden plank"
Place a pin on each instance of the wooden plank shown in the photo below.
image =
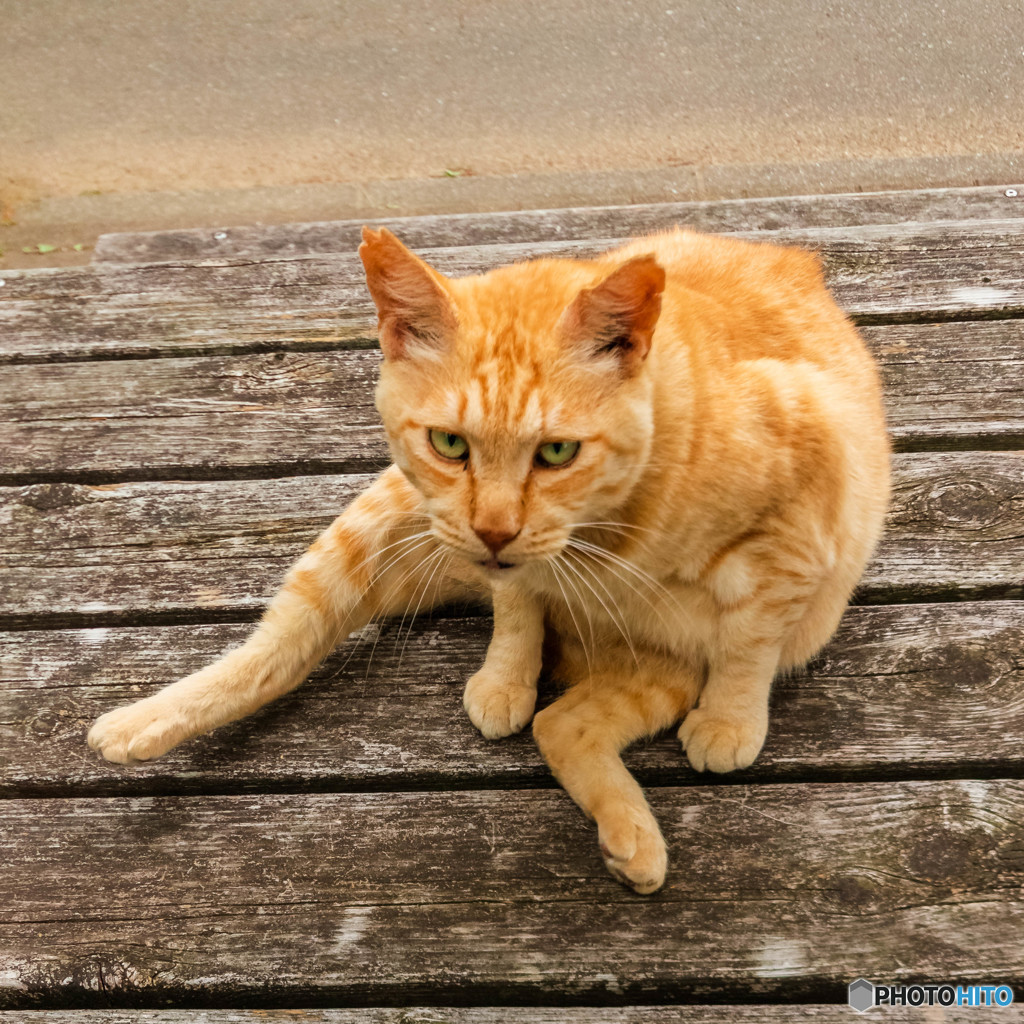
(879, 274)
(954, 527)
(165, 547)
(407, 897)
(272, 413)
(764, 1014)
(946, 385)
(74, 554)
(953, 385)
(901, 691)
(285, 240)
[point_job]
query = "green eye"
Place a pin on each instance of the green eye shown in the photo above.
(449, 446)
(557, 453)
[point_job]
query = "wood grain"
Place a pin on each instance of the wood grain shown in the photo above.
(946, 386)
(900, 692)
(954, 528)
(678, 1014)
(878, 273)
(952, 385)
(358, 843)
(494, 896)
(193, 551)
(259, 414)
(768, 1014)
(772, 214)
(162, 547)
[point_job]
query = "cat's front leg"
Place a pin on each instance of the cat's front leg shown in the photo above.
(372, 560)
(728, 727)
(501, 697)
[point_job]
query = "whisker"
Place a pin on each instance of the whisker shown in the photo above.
(620, 532)
(440, 579)
(614, 562)
(557, 575)
(617, 567)
(403, 552)
(408, 545)
(421, 568)
(617, 620)
(441, 561)
(377, 552)
(568, 576)
(629, 566)
(395, 586)
(609, 525)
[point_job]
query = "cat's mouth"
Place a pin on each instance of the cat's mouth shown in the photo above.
(493, 563)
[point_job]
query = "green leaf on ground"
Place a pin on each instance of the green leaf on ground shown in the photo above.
(453, 174)
(79, 247)
(41, 249)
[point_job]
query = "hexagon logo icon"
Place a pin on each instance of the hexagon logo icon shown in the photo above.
(862, 995)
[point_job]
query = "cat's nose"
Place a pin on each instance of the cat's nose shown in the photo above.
(496, 539)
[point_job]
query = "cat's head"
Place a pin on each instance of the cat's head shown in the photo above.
(517, 402)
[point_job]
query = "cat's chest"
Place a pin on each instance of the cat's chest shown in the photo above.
(602, 606)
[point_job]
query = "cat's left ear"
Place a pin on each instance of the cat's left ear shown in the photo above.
(414, 307)
(617, 317)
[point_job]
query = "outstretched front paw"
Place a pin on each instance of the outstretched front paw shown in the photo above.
(496, 706)
(632, 847)
(138, 732)
(721, 743)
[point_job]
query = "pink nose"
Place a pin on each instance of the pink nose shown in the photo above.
(496, 539)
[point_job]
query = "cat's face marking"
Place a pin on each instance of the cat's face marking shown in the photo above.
(504, 371)
(500, 486)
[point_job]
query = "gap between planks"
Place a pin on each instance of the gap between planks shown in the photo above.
(251, 416)
(163, 552)
(400, 897)
(878, 273)
(922, 690)
(758, 214)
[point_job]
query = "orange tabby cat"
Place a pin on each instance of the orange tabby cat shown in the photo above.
(672, 457)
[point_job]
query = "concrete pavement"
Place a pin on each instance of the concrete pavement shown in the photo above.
(118, 114)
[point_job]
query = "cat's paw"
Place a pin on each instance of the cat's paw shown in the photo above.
(496, 706)
(632, 847)
(138, 732)
(721, 743)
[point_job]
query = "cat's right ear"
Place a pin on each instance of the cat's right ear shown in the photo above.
(616, 318)
(414, 308)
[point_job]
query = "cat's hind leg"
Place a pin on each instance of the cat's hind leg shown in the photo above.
(581, 736)
(376, 558)
(728, 728)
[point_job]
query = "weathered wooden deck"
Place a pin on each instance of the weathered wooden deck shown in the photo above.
(180, 419)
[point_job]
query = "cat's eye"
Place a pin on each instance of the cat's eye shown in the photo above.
(557, 453)
(449, 446)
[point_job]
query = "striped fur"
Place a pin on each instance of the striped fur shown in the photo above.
(729, 486)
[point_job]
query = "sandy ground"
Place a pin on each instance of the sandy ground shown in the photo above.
(120, 99)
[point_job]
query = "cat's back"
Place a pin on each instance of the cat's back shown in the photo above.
(727, 269)
(749, 300)
(751, 337)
